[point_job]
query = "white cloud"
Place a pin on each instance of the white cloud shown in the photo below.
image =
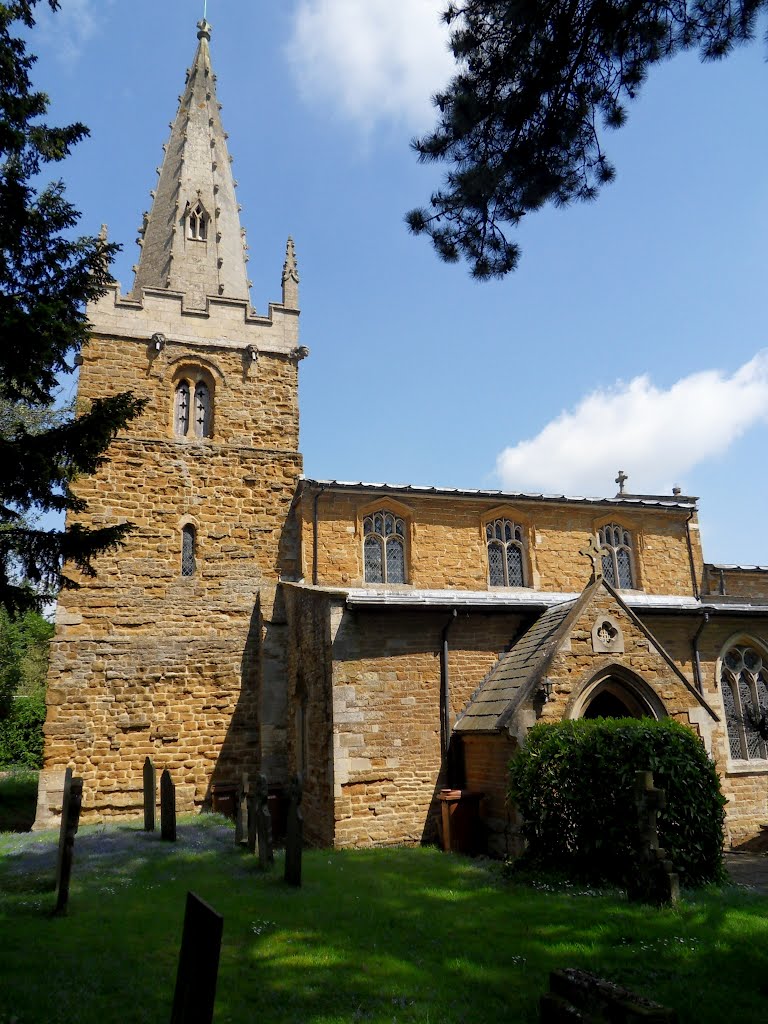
(372, 60)
(656, 436)
(69, 29)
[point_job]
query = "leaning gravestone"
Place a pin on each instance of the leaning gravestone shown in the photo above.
(150, 795)
(264, 824)
(294, 837)
(167, 807)
(198, 969)
(579, 996)
(72, 800)
(652, 878)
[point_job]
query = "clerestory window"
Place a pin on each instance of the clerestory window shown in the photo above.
(506, 556)
(744, 683)
(384, 547)
(188, 551)
(615, 544)
(193, 405)
(197, 223)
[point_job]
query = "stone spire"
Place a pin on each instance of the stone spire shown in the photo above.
(191, 241)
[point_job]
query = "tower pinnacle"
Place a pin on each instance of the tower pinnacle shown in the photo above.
(191, 240)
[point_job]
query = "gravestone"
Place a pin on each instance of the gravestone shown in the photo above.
(576, 995)
(150, 795)
(167, 807)
(242, 816)
(264, 824)
(652, 877)
(72, 800)
(294, 837)
(198, 969)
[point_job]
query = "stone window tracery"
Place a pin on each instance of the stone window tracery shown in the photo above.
(615, 543)
(193, 405)
(188, 550)
(744, 684)
(384, 547)
(505, 541)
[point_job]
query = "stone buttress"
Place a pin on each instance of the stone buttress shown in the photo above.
(176, 648)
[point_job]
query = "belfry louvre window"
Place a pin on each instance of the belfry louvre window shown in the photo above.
(197, 223)
(616, 549)
(193, 406)
(188, 551)
(744, 682)
(384, 548)
(506, 562)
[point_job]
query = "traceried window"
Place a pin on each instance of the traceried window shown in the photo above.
(506, 559)
(188, 551)
(384, 547)
(197, 223)
(193, 405)
(616, 549)
(744, 682)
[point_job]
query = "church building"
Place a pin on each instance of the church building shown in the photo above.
(387, 642)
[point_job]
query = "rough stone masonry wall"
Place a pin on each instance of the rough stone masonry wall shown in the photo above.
(447, 544)
(386, 729)
(146, 661)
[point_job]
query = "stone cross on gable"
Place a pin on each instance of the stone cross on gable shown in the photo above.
(621, 479)
(593, 552)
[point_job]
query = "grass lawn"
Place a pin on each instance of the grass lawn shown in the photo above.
(405, 935)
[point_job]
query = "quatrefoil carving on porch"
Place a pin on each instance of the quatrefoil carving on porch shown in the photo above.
(607, 637)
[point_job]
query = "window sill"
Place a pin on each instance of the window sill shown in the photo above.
(757, 766)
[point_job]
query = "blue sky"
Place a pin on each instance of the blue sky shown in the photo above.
(632, 336)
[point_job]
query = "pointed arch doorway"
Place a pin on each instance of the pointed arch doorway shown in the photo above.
(618, 693)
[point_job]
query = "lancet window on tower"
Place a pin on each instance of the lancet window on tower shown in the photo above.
(188, 551)
(616, 550)
(197, 223)
(193, 404)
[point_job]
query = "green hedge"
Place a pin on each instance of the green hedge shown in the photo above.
(21, 733)
(573, 783)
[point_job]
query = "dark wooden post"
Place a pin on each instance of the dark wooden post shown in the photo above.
(294, 839)
(198, 970)
(150, 795)
(72, 799)
(167, 807)
(242, 824)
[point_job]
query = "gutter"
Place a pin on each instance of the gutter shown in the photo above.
(322, 487)
(445, 688)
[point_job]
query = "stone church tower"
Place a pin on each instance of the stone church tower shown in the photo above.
(176, 649)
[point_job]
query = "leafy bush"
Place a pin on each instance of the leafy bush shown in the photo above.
(574, 782)
(21, 732)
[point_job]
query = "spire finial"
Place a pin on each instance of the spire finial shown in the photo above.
(290, 277)
(204, 29)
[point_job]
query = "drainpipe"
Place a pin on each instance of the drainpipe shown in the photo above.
(690, 554)
(314, 534)
(445, 688)
(695, 647)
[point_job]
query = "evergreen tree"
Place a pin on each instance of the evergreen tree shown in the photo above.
(539, 80)
(46, 277)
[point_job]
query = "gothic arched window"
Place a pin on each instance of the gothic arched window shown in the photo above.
(197, 223)
(615, 544)
(505, 541)
(193, 404)
(744, 683)
(188, 551)
(384, 548)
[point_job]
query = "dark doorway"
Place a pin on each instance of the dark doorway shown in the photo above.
(608, 705)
